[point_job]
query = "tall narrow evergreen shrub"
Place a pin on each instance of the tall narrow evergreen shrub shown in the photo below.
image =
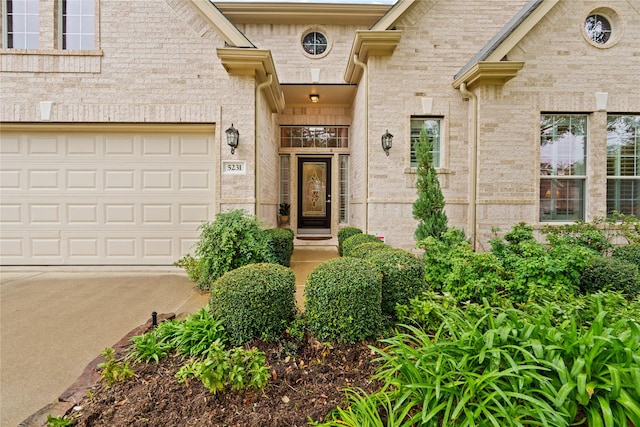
(428, 209)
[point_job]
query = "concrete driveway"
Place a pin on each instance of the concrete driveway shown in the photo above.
(55, 320)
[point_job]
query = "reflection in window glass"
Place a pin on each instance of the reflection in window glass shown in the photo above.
(314, 137)
(433, 128)
(562, 166)
(22, 24)
(344, 189)
(623, 164)
(77, 24)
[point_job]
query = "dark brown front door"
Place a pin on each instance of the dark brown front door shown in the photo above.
(314, 193)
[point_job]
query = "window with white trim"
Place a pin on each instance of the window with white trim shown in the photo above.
(77, 24)
(623, 164)
(285, 185)
(563, 158)
(21, 26)
(433, 128)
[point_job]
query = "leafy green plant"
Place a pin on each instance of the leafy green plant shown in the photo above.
(283, 209)
(297, 328)
(196, 333)
(280, 242)
(148, 347)
(357, 239)
(629, 253)
(60, 421)
(344, 234)
(113, 370)
(343, 300)
(587, 234)
(428, 209)
(363, 250)
(233, 240)
(610, 274)
(402, 277)
(256, 300)
(191, 265)
(237, 369)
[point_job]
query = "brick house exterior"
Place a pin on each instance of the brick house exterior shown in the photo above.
(113, 134)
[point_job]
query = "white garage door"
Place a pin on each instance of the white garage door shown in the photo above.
(118, 196)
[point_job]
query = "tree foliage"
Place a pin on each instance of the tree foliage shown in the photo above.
(428, 209)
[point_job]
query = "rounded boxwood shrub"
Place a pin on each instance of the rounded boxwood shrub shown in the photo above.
(629, 253)
(344, 234)
(343, 300)
(254, 301)
(280, 242)
(610, 274)
(365, 249)
(358, 239)
(402, 277)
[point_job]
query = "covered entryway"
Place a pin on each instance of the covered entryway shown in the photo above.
(314, 195)
(104, 194)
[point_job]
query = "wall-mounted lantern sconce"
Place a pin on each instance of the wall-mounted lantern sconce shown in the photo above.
(387, 141)
(314, 97)
(232, 138)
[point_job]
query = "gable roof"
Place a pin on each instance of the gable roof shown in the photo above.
(510, 35)
(388, 20)
(228, 31)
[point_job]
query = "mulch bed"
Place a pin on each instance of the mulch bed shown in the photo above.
(307, 382)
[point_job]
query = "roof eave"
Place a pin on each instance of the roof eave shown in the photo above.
(489, 73)
(370, 43)
(231, 35)
(258, 63)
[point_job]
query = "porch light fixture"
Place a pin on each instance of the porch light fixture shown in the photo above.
(314, 97)
(232, 138)
(387, 141)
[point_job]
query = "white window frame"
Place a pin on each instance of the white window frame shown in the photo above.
(87, 30)
(33, 30)
(436, 146)
(614, 181)
(558, 180)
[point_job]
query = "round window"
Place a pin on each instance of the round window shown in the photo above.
(598, 28)
(314, 43)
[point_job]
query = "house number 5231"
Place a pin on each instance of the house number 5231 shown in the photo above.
(233, 167)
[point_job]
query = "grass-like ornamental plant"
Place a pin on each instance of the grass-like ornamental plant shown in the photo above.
(490, 366)
(113, 369)
(402, 277)
(343, 300)
(351, 242)
(256, 300)
(280, 243)
(344, 234)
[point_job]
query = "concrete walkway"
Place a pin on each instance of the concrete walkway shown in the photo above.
(55, 320)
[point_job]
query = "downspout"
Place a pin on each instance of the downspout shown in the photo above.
(257, 148)
(473, 163)
(365, 72)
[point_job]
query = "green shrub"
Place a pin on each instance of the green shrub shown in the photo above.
(254, 301)
(610, 274)
(365, 249)
(343, 300)
(629, 253)
(586, 234)
(344, 234)
(402, 277)
(191, 265)
(280, 242)
(358, 239)
(234, 239)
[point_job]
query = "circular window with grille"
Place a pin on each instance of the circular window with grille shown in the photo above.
(315, 43)
(602, 27)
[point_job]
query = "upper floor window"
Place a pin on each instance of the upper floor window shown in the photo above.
(563, 156)
(623, 164)
(433, 128)
(21, 24)
(77, 24)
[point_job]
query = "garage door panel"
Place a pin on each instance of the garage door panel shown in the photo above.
(103, 199)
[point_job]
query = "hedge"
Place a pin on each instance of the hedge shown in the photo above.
(280, 242)
(344, 234)
(358, 239)
(610, 274)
